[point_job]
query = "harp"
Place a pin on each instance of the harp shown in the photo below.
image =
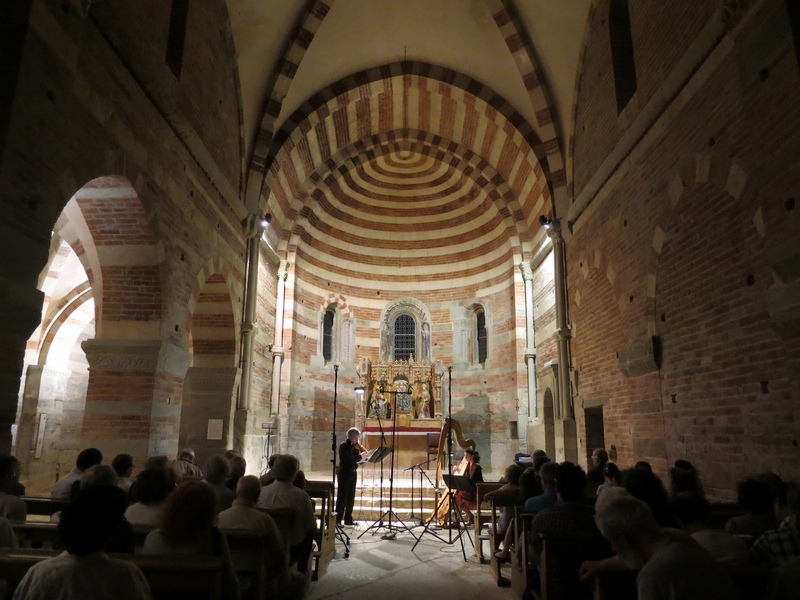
(443, 459)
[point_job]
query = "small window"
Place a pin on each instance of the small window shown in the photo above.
(405, 337)
(327, 335)
(176, 36)
(481, 327)
(622, 61)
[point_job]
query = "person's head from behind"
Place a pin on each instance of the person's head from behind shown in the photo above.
(237, 466)
(90, 520)
(187, 454)
(777, 487)
(217, 469)
(537, 453)
(754, 496)
(190, 509)
(548, 474)
(570, 482)
(793, 500)
(248, 489)
(272, 459)
(599, 457)
(154, 485)
(7, 472)
(528, 484)
(647, 487)
(683, 477)
(512, 474)
(285, 468)
(158, 461)
(229, 454)
(643, 465)
(627, 523)
(88, 458)
(612, 474)
(691, 510)
(538, 462)
(123, 465)
(99, 475)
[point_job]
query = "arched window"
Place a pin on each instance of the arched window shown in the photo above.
(405, 337)
(622, 61)
(327, 334)
(480, 326)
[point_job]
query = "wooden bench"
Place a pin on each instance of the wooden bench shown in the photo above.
(32, 534)
(44, 506)
(482, 516)
(325, 537)
(169, 577)
(520, 563)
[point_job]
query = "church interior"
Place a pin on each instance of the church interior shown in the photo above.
(564, 225)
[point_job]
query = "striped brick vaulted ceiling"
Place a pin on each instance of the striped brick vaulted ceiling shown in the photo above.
(406, 174)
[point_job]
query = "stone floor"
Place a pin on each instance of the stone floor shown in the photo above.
(388, 570)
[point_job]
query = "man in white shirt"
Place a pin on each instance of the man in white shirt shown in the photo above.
(87, 458)
(283, 493)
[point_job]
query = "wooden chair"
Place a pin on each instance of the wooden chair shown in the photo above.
(482, 516)
(433, 445)
(326, 531)
(498, 505)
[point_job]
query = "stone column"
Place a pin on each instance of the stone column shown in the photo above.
(253, 231)
(133, 402)
(208, 396)
(530, 348)
(565, 415)
(277, 346)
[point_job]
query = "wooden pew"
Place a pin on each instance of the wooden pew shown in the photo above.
(520, 564)
(44, 506)
(322, 493)
(562, 555)
(497, 507)
(35, 534)
(482, 516)
(169, 577)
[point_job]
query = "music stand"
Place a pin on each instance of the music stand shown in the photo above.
(391, 530)
(454, 513)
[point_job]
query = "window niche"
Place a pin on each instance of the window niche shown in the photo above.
(405, 331)
(336, 338)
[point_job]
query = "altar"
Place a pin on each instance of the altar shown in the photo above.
(405, 399)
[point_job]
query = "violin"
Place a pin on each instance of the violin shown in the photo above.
(359, 447)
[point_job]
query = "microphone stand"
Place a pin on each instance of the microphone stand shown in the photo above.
(341, 535)
(454, 516)
(421, 473)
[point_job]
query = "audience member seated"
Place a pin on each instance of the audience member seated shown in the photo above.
(217, 471)
(153, 486)
(754, 497)
(283, 493)
(612, 477)
(683, 477)
(693, 513)
(7, 537)
(644, 465)
(673, 565)
(647, 487)
(84, 571)
(121, 539)
(159, 461)
(123, 466)
(187, 528)
(784, 581)
(87, 458)
(269, 477)
(184, 466)
(244, 515)
(777, 490)
(509, 490)
(237, 466)
(12, 507)
(568, 514)
(16, 488)
(599, 460)
(780, 545)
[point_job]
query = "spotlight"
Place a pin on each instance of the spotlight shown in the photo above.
(544, 221)
(265, 221)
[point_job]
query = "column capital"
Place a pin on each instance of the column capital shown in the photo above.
(137, 355)
(527, 272)
(530, 353)
(278, 351)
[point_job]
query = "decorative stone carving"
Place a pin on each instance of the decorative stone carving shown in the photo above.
(527, 272)
(137, 355)
(422, 319)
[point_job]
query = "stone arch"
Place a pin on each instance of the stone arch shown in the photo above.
(472, 308)
(422, 320)
(325, 180)
(328, 123)
(344, 330)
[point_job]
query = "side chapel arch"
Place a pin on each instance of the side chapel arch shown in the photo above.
(422, 321)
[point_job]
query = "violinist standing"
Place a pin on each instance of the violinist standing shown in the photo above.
(350, 453)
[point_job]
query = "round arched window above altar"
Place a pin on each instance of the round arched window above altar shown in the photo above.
(405, 338)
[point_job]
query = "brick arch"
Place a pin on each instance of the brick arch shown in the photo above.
(716, 170)
(459, 157)
(212, 320)
(524, 54)
(341, 305)
(66, 312)
(333, 118)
